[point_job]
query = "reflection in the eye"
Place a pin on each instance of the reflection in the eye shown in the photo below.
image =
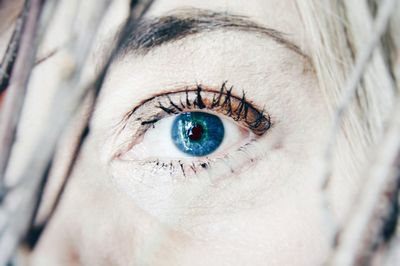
(197, 133)
(169, 133)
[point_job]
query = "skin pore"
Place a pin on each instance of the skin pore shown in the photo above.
(257, 207)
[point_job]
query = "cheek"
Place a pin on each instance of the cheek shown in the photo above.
(256, 217)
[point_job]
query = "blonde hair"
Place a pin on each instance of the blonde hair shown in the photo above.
(337, 32)
(354, 48)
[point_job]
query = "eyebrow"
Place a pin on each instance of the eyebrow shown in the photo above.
(146, 34)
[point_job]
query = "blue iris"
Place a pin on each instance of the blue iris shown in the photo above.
(197, 133)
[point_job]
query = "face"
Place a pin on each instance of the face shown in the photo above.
(204, 148)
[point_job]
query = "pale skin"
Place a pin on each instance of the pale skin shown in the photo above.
(264, 212)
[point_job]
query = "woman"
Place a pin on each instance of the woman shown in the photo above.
(207, 142)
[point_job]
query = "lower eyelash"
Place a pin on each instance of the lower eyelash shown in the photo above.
(182, 170)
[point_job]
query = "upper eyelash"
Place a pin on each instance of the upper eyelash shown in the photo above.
(221, 100)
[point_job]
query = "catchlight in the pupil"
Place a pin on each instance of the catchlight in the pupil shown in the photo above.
(195, 132)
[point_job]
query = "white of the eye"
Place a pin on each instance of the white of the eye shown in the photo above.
(157, 142)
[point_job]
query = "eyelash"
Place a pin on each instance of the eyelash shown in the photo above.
(222, 101)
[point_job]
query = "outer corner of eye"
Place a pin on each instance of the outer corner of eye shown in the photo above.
(188, 135)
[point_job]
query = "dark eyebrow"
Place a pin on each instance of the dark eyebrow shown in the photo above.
(141, 36)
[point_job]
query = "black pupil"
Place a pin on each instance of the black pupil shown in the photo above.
(195, 132)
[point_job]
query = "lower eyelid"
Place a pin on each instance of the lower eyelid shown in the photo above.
(167, 171)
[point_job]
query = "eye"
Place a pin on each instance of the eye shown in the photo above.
(188, 135)
(194, 126)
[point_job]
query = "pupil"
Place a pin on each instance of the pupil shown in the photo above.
(195, 133)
